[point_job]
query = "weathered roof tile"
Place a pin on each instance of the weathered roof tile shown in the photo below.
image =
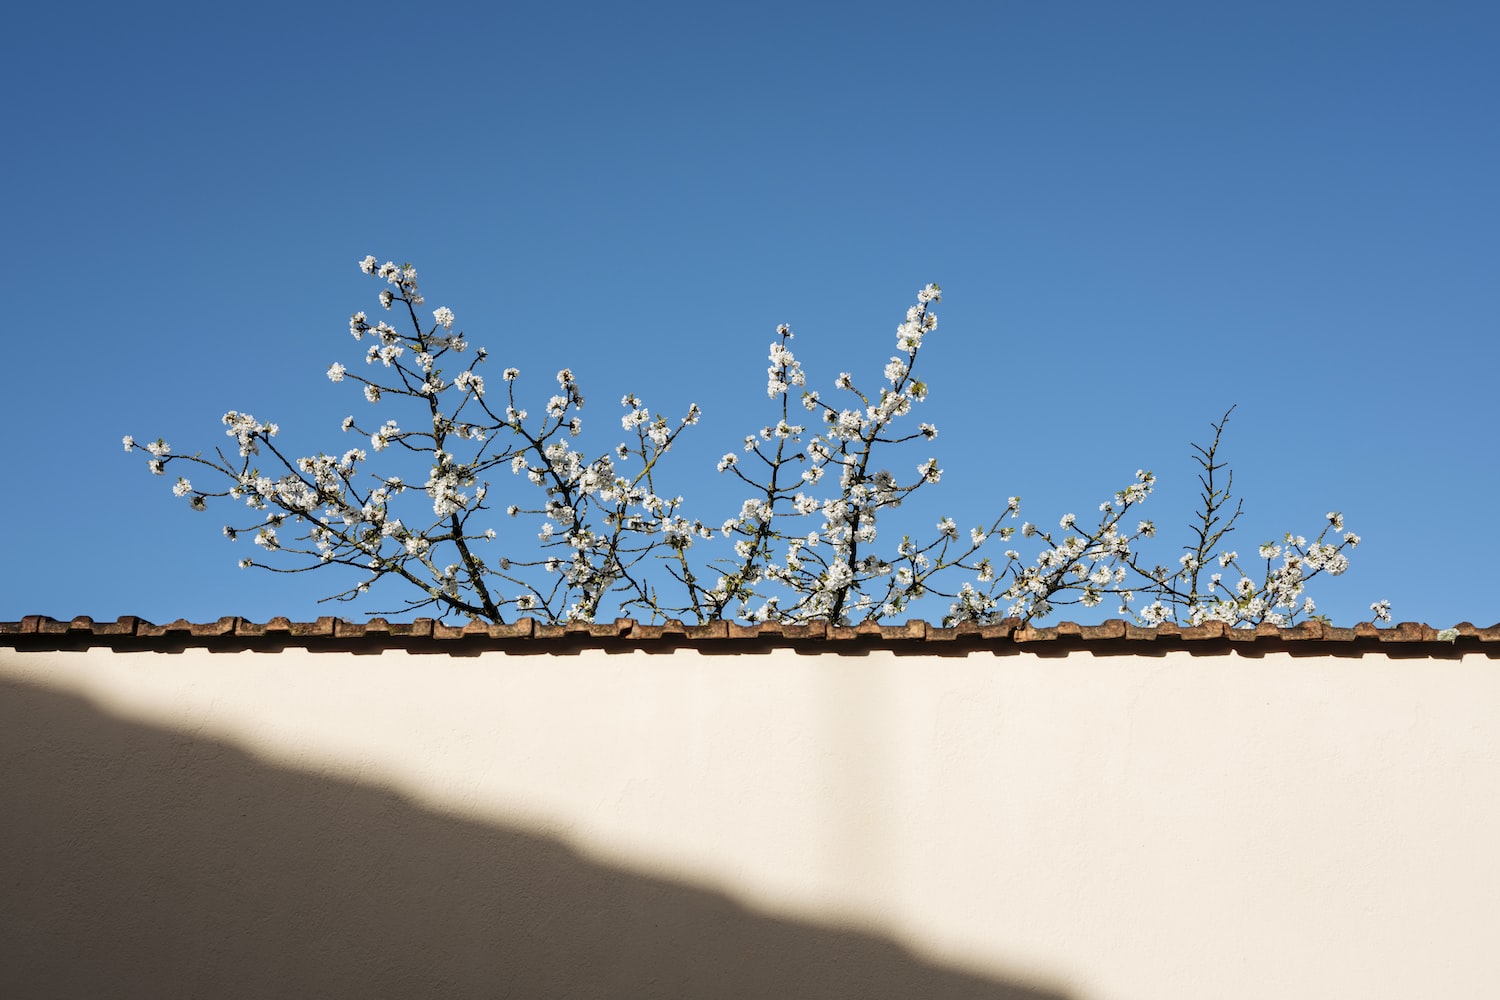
(378, 632)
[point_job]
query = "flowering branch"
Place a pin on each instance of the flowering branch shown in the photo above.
(805, 544)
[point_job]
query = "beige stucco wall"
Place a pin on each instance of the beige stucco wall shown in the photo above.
(774, 824)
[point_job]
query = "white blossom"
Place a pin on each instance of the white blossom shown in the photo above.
(586, 505)
(467, 381)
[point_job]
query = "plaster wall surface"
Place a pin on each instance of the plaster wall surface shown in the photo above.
(1102, 827)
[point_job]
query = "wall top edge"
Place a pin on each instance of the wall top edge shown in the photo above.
(377, 632)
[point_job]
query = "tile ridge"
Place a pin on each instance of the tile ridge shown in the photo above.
(378, 630)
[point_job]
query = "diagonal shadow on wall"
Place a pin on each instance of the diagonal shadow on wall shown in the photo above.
(143, 862)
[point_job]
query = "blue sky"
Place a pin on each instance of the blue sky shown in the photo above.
(1140, 216)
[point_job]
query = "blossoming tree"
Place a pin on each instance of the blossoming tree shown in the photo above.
(804, 545)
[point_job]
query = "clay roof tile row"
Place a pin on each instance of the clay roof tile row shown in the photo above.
(377, 631)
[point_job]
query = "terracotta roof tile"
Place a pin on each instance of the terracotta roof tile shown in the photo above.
(181, 627)
(38, 631)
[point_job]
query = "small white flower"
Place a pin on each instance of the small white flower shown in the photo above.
(444, 317)
(336, 372)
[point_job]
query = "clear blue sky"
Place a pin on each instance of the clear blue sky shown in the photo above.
(1140, 214)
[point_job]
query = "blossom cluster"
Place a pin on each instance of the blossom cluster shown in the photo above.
(816, 536)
